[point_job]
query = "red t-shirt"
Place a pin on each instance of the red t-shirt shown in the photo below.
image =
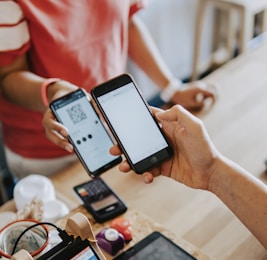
(83, 42)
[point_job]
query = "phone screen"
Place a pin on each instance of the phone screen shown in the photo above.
(133, 124)
(155, 246)
(85, 254)
(86, 131)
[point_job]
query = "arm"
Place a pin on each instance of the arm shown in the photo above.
(198, 164)
(143, 51)
(20, 86)
(244, 194)
(23, 88)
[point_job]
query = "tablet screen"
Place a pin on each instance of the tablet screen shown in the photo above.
(155, 247)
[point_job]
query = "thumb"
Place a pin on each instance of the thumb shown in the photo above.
(172, 114)
(179, 117)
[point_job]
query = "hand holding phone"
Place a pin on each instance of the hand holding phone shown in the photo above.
(132, 123)
(87, 133)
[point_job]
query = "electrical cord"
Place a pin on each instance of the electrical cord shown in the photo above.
(62, 234)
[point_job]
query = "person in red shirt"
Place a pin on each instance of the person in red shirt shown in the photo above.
(77, 44)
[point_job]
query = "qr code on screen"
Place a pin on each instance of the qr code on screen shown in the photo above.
(76, 114)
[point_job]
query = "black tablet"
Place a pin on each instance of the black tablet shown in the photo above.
(155, 246)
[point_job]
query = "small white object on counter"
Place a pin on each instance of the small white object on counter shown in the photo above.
(33, 186)
(54, 210)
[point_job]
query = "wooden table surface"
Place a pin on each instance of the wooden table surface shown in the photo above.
(237, 124)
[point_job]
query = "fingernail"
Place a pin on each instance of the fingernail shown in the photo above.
(64, 133)
(199, 97)
(147, 179)
(69, 148)
(160, 113)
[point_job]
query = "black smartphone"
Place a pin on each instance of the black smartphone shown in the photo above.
(132, 123)
(100, 200)
(155, 246)
(87, 132)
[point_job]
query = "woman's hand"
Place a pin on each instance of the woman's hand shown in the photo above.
(54, 130)
(194, 155)
(194, 94)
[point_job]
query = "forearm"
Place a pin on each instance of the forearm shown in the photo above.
(145, 54)
(244, 194)
(20, 86)
(24, 89)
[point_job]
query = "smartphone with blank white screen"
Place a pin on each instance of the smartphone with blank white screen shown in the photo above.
(87, 133)
(132, 123)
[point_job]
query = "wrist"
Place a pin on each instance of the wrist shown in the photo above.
(169, 91)
(44, 89)
(218, 174)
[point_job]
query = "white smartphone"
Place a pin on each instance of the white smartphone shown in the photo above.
(87, 133)
(132, 123)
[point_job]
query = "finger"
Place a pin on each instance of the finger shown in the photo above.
(59, 140)
(60, 129)
(172, 114)
(207, 94)
(208, 89)
(50, 122)
(199, 98)
(155, 110)
(56, 132)
(148, 177)
(115, 150)
(178, 115)
(124, 167)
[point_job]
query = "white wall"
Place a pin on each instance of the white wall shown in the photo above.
(171, 23)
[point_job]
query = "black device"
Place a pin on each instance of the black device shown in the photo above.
(132, 123)
(155, 246)
(87, 133)
(100, 200)
(76, 249)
